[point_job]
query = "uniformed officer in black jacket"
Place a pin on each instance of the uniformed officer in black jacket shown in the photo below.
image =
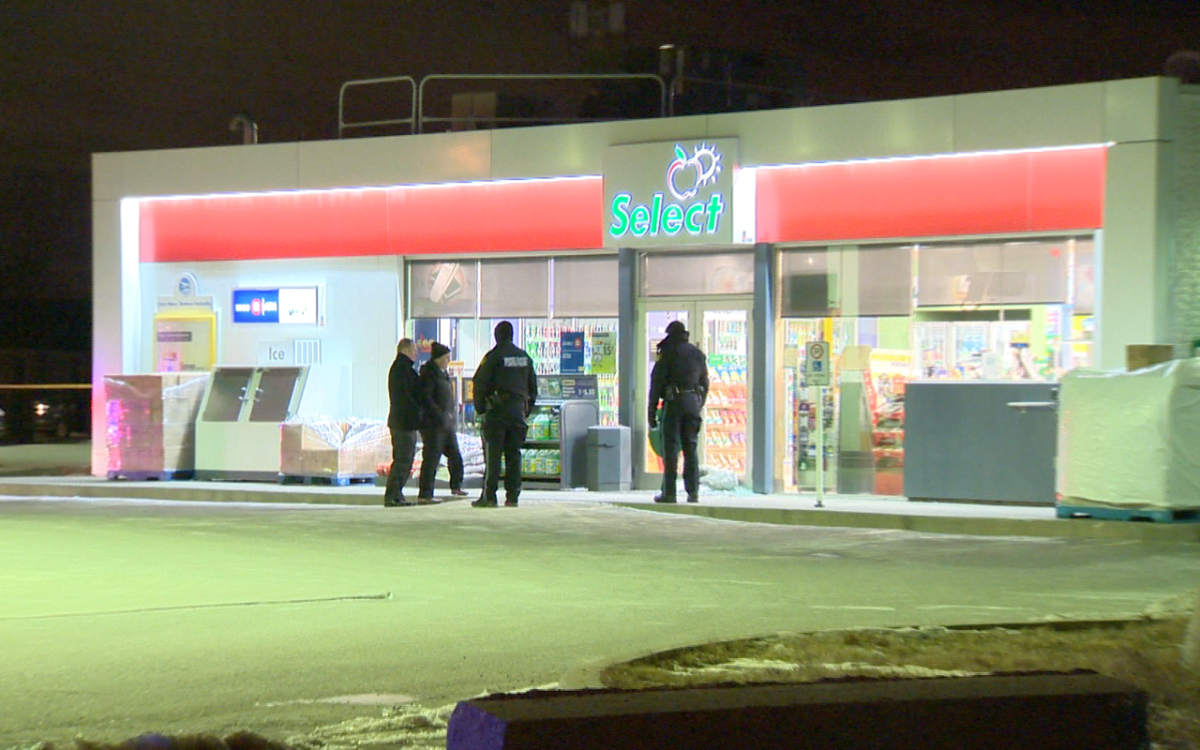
(505, 391)
(680, 381)
(404, 419)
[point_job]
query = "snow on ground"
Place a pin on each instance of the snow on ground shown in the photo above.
(413, 727)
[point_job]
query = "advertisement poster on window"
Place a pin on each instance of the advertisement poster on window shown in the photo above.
(425, 332)
(444, 289)
(604, 353)
(571, 361)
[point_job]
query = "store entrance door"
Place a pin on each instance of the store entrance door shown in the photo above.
(721, 328)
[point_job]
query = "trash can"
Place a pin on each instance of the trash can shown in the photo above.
(609, 467)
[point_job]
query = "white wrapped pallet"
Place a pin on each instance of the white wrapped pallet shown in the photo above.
(327, 447)
(1131, 440)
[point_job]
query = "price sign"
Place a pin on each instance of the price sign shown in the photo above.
(816, 363)
(583, 387)
(604, 353)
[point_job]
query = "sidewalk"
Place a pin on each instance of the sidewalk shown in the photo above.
(37, 471)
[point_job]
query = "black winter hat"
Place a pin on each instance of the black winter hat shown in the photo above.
(437, 349)
(504, 332)
(676, 327)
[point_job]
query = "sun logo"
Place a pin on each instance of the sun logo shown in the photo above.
(686, 175)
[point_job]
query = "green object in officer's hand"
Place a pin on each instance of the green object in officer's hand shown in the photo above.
(656, 434)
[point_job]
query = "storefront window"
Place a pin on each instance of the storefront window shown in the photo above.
(514, 288)
(443, 289)
(696, 274)
(847, 280)
(983, 310)
(575, 336)
(585, 286)
(992, 273)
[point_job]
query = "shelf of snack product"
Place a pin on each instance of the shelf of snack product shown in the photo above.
(725, 414)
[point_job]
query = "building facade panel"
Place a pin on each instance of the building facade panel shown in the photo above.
(1023, 240)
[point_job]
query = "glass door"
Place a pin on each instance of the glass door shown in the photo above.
(725, 440)
(721, 328)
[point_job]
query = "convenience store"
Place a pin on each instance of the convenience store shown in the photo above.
(1004, 234)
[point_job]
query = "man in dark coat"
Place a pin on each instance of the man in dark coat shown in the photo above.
(439, 436)
(505, 391)
(404, 419)
(680, 380)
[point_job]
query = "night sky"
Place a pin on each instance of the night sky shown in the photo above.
(85, 76)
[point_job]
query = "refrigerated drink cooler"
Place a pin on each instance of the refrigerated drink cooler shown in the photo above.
(239, 425)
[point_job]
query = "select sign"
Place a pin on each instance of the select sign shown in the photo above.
(816, 363)
(669, 193)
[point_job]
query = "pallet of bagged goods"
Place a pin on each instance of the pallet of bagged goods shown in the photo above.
(325, 450)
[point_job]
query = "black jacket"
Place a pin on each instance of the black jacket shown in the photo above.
(436, 395)
(506, 379)
(681, 367)
(404, 413)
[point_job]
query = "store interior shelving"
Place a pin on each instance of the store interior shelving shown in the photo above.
(543, 340)
(725, 414)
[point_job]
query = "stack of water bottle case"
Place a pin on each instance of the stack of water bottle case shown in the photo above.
(150, 424)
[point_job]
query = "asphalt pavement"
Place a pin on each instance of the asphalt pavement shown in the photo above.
(122, 614)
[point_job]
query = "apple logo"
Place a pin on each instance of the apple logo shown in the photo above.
(687, 174)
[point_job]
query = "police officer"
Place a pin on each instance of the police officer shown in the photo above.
(680, 381)
(404, 419)
(505, 391)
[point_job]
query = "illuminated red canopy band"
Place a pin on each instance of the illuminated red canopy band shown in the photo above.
(996, 193)
(987, 193)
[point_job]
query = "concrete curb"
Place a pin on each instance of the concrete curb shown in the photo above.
(938, 521)
(1064, 528)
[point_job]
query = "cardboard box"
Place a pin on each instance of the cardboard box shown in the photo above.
(151, 421)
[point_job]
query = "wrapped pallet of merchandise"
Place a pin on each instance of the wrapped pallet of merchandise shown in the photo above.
(1127, 444)
(150, 424)
(325, 447)
(469, 446)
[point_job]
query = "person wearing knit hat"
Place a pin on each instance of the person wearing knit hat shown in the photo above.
(437, 350)
(439, 429)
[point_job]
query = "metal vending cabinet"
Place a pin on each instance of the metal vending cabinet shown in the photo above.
(981, 441)
(238, 428)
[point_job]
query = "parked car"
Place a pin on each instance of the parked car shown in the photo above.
(52, 420)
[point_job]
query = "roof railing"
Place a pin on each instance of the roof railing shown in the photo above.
(418, 119)
(411, 120)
